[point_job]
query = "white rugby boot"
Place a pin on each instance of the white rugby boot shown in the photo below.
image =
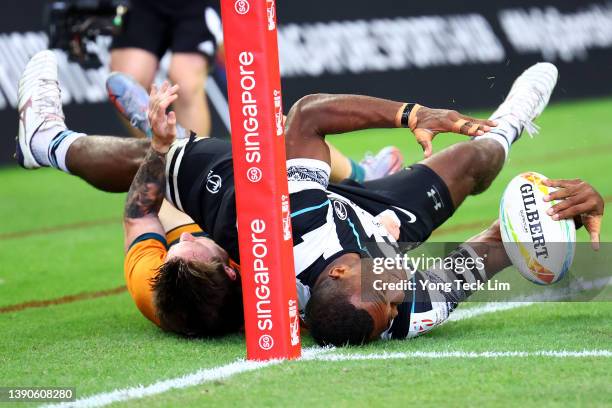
(39, 105)
(528, 97)
(387, 161)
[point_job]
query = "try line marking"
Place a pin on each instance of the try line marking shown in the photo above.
(311, 354)
(327, 354)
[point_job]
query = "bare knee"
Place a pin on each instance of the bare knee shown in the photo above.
(189, 71)
(139, 64)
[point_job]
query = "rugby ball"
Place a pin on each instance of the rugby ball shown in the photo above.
(541, 248)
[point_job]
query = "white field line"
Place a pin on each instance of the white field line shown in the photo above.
(189, 380)
(548, 295)
(324, 354)
(460, 354)
(314, 354)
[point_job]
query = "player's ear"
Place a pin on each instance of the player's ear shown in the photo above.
(230, 272)
(338, 271)
(185, 236)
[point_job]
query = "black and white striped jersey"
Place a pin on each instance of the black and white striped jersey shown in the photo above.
(327, 220)
(327, 225)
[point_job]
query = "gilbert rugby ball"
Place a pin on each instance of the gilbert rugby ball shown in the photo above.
(539, 247)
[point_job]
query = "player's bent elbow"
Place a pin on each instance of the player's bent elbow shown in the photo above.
(305, 112)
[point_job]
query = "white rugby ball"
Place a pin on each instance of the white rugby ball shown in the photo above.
(541, 248)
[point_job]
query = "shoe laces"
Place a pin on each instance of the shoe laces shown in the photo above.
(526, 105)
(368, 159)
(49, 98)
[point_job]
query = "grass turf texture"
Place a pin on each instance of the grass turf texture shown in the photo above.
(102, 344)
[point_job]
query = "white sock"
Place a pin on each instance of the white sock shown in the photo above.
(41, 141)
(505, 133)
(50, 147)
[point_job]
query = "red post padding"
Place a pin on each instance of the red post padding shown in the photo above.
(262, 197)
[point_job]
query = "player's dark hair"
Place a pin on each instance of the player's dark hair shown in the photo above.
(197, 299)
(333, 320)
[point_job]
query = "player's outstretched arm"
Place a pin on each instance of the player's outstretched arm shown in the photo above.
(314, 116)
(147, 191)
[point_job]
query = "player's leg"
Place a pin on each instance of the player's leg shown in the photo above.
(467, 168)
(136, 51)
(387, 161)
(427, 194)
(189, 71)
(138, 63)
(44, 140)
(107, 163)
(470, 167)
(472, 264)
(193, 49)
(131, 100)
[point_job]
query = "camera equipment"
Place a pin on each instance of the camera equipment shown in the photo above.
(73, 24)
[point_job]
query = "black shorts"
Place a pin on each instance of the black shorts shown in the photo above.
(160, 25)
(417, 195)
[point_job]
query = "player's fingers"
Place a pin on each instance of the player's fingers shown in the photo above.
(485, 125)
(172, 123)
(424, 138)
(560, 182)
(593, 224)
(468, 128)
(153, 92)
(164, 87)
(171, 90)
(567, 203)
(594, 240)
(167, 101)
(571, 212)
(560, 194)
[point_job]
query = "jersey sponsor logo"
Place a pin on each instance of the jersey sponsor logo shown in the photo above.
(242, 6)
(340, 210)
(435, 196)
(213, 183)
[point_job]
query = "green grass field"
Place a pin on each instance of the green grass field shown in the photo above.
(65, 321)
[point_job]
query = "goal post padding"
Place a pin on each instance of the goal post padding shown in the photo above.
(260, 176)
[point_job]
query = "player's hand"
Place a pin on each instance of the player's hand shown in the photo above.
(426, 123)
(578, 199)
(390, 223)
(490, 235)
(163, 125)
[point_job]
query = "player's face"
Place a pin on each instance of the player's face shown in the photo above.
(200, 249)
(382, 313)
(378, 304)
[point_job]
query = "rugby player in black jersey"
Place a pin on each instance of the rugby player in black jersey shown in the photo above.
(334, 226)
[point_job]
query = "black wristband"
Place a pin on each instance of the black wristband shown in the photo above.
(406, 114)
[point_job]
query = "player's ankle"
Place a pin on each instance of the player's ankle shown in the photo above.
(40, 143)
